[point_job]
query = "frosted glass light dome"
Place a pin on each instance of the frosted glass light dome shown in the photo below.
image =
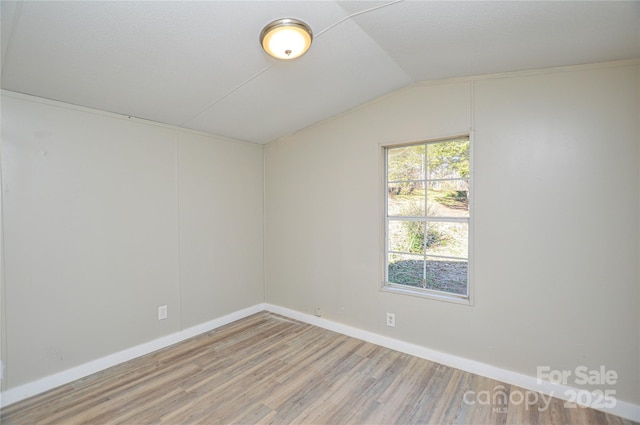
(286, 38)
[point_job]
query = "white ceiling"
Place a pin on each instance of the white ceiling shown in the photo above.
(199, 65)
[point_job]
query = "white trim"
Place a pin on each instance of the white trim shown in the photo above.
(24, 391)
(401, 289)
(623, 409)
(143, 121)
(393, 288)
(531, 72)
(469, 79)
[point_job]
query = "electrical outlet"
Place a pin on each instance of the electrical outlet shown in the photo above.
(391, 320)
(162, 312)
(318, 311)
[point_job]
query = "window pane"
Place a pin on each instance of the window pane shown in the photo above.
(447, 275)
(448, 239)
(406, 236)
(427, 234)
(448, 160)
(405, 163)
(448, 198)
(406, 269)
(406, 199)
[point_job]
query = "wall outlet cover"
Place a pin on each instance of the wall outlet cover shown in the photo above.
(391, 320)
(162, 312)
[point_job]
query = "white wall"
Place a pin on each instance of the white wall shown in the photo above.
(556, 211)
(105, 219)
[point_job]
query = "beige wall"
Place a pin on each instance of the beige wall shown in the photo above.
(107, 218)
(221, 187)
(556, 213)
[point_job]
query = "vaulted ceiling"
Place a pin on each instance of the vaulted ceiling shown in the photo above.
(199, 64)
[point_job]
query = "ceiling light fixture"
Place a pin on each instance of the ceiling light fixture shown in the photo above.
(286, 38)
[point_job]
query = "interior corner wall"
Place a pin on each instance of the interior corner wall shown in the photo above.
(3, 332)
(105, 219)
(555, 244)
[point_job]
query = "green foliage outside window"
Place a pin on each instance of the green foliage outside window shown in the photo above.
(428, 211)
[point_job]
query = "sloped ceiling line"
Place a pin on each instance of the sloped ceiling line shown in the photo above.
(14, 24)
(352, 15)
(229, 93)
(256, 75)
(195, 64)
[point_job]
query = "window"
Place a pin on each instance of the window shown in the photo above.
(427, 218)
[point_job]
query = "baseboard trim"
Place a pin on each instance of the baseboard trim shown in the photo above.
(623, 409)
(30, 389)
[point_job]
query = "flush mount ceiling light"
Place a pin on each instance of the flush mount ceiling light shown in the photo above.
(286, 38)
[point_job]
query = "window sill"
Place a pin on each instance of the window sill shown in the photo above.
(397, 289)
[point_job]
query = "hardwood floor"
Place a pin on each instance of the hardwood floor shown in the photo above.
(267, 369)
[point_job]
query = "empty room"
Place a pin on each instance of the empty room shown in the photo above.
(320, 212)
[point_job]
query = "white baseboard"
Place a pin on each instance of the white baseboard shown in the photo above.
(621, 408)
(24, 391)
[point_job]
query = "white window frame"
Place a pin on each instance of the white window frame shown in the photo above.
(423, 292)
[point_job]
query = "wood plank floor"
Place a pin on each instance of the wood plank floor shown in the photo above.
(267, 369)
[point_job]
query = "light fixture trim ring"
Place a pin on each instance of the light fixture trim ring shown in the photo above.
(284, 23)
